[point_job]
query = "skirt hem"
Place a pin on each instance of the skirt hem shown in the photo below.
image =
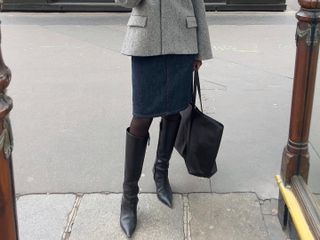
(161, 114)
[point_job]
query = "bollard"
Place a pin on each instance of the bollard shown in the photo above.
(8, 213)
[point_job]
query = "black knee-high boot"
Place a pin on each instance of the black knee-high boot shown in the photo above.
(167, 136)
(134, 157)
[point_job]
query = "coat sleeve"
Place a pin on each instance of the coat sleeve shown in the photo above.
(128, 3)
(204, 45)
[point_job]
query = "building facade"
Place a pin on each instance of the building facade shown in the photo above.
(109, 5)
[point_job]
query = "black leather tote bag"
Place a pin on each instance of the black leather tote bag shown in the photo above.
(198, 138)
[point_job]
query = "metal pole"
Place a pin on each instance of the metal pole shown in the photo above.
(8, 213)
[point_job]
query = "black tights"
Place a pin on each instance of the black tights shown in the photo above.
(140, 125)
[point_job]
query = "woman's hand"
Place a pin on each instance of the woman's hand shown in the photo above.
(197, 64)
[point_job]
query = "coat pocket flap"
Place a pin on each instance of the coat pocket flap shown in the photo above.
(191, 22)
(137, 21)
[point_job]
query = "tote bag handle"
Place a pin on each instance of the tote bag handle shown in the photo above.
(196, 87)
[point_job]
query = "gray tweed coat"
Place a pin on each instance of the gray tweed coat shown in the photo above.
(166, 27)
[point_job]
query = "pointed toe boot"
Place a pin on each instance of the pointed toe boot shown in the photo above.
(167, 136)
(128, 217)
(163, 188)
(134, 158)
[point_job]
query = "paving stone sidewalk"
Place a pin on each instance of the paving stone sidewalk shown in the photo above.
(196, 216)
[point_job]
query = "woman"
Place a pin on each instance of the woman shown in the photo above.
(167, 40)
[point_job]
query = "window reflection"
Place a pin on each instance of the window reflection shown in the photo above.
(314, 144)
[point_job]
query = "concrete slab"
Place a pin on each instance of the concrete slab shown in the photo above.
(98, 218)
(196, 216)
(226, 216)
(266, 48)
(269, 207)
(255, 109)
(274, 229)
(73, 146)
(43, 216)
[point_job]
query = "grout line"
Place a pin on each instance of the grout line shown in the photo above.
(186, 217)
(18, 195)
(71, 217)
(263, 218)
(263, 215)
(210, 185)
(147, 192)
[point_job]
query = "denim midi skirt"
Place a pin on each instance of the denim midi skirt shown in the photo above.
(161, 84)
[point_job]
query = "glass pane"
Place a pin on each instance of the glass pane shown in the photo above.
(314, 144)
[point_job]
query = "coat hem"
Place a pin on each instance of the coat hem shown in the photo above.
(202, 58)
(154, 54)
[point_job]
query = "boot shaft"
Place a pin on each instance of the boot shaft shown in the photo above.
(167, 136)
(135, 150)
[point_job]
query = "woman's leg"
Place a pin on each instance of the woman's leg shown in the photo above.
(169, 126)
(137, 136)
(140, 126)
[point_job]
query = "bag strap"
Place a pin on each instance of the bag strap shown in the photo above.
(196, 87)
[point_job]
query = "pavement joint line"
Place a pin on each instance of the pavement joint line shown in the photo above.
(178, 193)
(235, 192)
(18, 195)
(232, 192)
(210, 183)
(71, 217)
(261, 202)
(186, 217)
